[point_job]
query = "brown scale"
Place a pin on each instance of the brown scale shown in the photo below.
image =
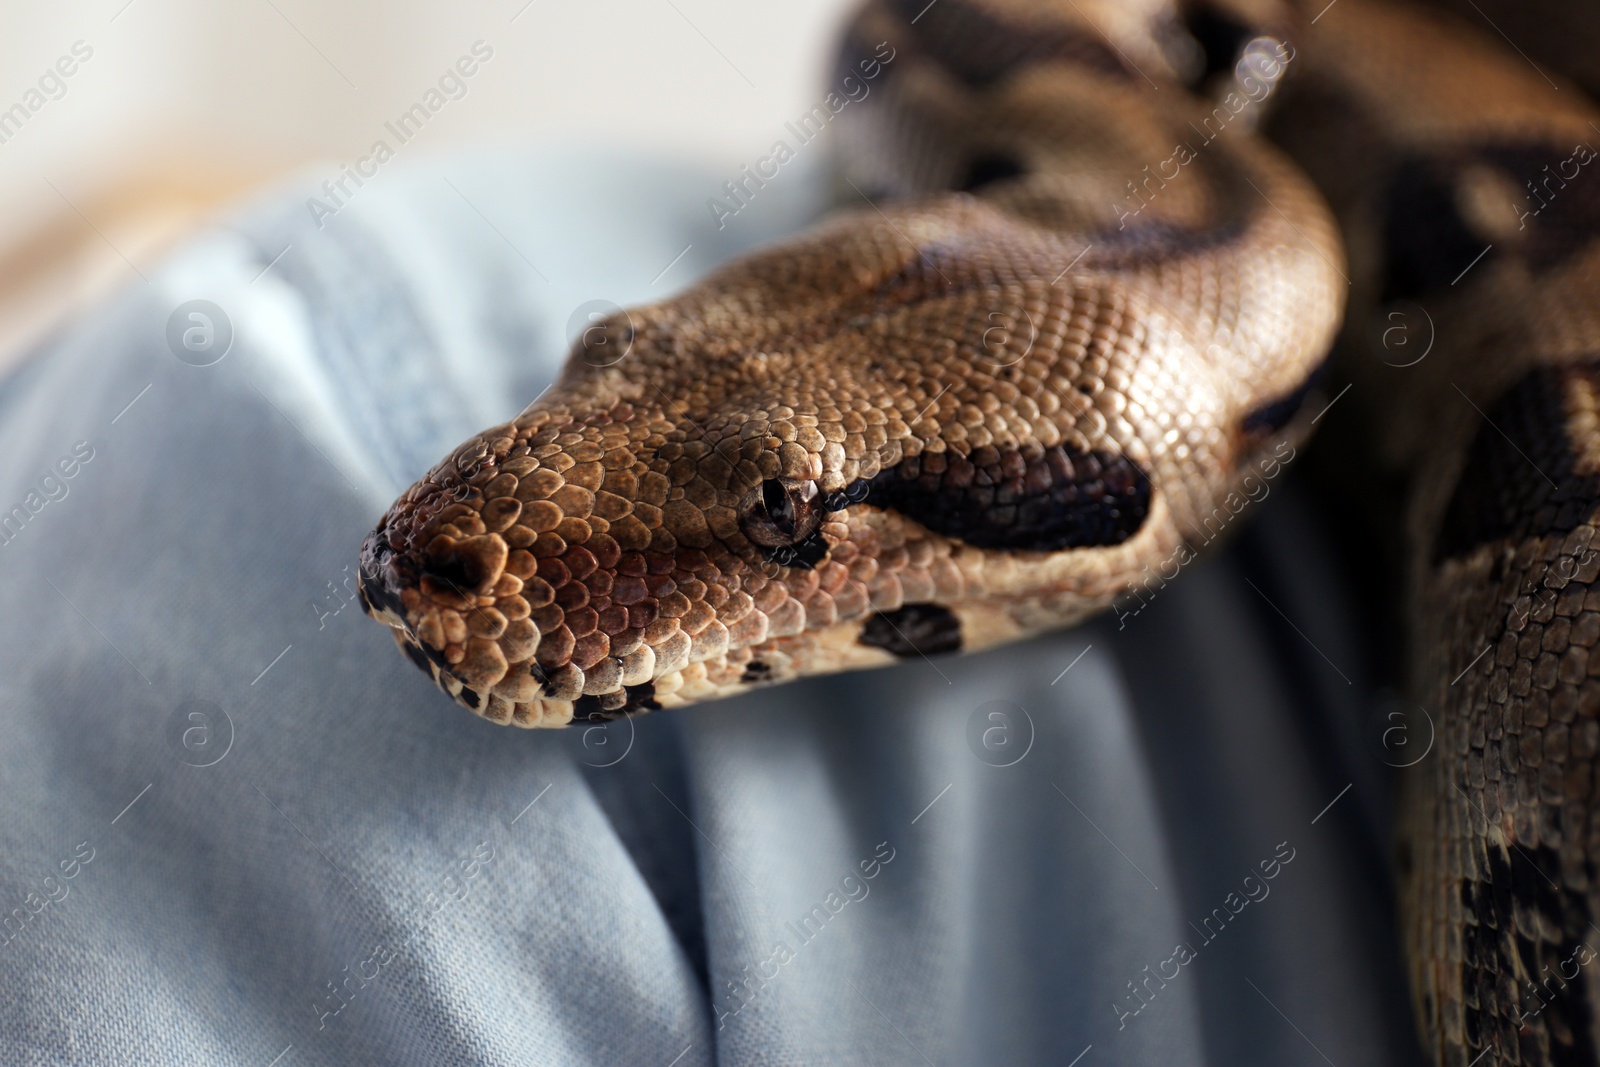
(1424, 136)
(934, 423)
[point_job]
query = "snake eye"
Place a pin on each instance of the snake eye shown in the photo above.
(778, 513)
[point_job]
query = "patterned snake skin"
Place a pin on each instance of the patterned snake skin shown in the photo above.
(1435, 146)
(1069, 319)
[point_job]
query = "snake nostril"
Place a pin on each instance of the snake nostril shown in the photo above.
(446, 564)
(465, 565)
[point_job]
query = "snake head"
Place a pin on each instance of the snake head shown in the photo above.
(832, 455)
(605, 554)
(590, 558)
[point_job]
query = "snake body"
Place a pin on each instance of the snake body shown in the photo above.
(1064, 331)
(1436, 147)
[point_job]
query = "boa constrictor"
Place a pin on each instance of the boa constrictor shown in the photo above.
(1071, 321)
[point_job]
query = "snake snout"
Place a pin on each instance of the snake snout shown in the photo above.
(378, 585)
(437, 600)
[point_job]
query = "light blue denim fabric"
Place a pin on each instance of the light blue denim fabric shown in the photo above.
(239, 828)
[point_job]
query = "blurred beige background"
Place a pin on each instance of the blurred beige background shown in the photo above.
(184, 105)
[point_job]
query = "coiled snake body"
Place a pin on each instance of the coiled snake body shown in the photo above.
(1069, 324)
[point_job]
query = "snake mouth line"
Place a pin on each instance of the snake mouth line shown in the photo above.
(538, 712)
